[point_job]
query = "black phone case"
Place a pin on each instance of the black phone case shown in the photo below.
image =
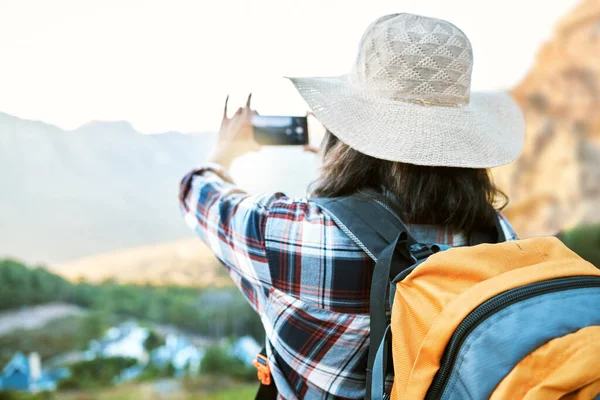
(293, 134)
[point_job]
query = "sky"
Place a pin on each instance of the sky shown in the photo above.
(168, 65)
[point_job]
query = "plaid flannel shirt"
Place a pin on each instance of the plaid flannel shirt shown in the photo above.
(308, 281)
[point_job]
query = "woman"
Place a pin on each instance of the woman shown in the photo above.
(402, 124)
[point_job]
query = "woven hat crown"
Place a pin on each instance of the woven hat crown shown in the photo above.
(415, 58)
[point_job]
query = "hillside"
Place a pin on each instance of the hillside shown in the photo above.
(555, 184)
(188, 307)
(186, 263)
(40, 311)
(101, 187)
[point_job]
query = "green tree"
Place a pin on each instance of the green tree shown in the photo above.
(96, 373)
(210, 312)
(218, 361)
(92, 326)
(153, 341)
(585, 241)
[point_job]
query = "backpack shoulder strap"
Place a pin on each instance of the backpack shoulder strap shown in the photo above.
(365, 219)
(383, 236)
(492, 235)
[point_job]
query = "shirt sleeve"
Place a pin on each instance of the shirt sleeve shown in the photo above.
(509, 232)
(232, 224)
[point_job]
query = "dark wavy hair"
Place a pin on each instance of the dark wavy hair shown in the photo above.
(464, 199)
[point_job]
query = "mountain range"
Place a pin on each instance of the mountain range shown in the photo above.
(98, 188)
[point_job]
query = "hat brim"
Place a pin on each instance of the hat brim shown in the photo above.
(488, 132)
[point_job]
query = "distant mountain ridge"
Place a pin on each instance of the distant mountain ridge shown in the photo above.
(100, 187)
(107, 126)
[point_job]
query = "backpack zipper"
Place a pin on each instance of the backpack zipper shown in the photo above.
(488, 308)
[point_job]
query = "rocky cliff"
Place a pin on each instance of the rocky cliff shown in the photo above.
(555, 184)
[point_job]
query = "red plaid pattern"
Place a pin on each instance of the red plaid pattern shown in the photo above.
(309, 282)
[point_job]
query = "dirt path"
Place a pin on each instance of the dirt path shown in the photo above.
(36, 317)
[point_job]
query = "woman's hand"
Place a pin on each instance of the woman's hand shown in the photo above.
(310, 149)
(236, 136)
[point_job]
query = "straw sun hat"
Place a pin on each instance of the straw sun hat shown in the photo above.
(408, 98)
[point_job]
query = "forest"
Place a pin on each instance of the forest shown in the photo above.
(211, 312)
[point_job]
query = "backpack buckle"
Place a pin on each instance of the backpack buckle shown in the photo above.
(263, 371)
(420, 252)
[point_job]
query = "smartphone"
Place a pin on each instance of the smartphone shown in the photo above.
(280, 130)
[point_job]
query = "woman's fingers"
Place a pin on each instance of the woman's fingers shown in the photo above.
(240, 110)
(311, 149)
(246, 110)
(225, 109)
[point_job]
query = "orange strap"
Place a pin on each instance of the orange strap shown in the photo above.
(262, 367)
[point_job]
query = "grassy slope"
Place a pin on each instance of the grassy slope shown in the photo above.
(56, 337)
(141, 391)
(186, 262)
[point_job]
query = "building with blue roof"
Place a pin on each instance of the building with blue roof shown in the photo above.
(24, 373)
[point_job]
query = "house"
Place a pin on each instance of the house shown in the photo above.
(129, 374)
(126, 340)
(25, 373)
(245, 348)
(180, 353)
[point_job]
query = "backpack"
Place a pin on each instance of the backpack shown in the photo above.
(494, 320)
